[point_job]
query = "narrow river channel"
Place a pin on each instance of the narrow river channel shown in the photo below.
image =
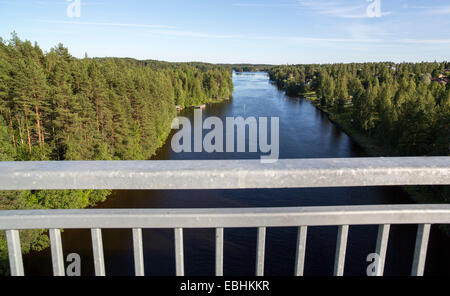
(305, 132)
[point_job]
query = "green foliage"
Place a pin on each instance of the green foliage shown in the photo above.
(393, 109)
(7, 151)
(65, 199)
(402, 106)
(56, 107)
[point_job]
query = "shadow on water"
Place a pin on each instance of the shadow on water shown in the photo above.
(305, 132)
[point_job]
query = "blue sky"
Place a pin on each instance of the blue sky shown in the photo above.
(237, 31)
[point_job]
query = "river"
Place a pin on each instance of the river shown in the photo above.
(305, 132)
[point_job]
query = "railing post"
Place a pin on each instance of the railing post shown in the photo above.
(341, 248)
(97, 248)
(179, 252)
(138, 252)
(219, 251)
(382, 242)
(301, 248)
(420, 250)
(14, 252)
(57, 252)
(261, 245)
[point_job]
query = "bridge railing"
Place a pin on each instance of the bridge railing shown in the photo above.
(224, 174)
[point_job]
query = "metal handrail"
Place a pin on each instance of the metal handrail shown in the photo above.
(224, 174)
(227, 217)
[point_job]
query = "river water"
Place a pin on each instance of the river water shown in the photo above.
(305, 132)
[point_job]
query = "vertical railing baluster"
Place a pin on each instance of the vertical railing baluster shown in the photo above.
(14, 252)
(219, 251)
(341, 248)
(97, 248)
(381, 249)
(420, 250)
(57, 252)
(261, 246)
(301, 248)
(138, 252)
(179, 252)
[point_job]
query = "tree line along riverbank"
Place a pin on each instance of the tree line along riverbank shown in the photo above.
(54, 106)
(388, 109)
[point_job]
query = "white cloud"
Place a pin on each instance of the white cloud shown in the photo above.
(107, 24)
(431, 10)
(356, 40)
(157, 29)
(439, 10)
(335, 40)
(273, 5)
(194, 34)
(425, 41)
(307, 39)
(356, 9)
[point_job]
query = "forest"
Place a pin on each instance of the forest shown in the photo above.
(249, 67)
(389, 109)
(54, 106)
(405, 107)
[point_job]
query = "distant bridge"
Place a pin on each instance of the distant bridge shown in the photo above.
(224, 174)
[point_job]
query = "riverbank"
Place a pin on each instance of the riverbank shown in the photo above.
(164, 136)
(343, 121)
(37, 240)
(417, 194)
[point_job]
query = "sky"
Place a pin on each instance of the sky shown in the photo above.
(237, 31)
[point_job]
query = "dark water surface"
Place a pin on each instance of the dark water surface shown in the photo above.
(305, 132)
